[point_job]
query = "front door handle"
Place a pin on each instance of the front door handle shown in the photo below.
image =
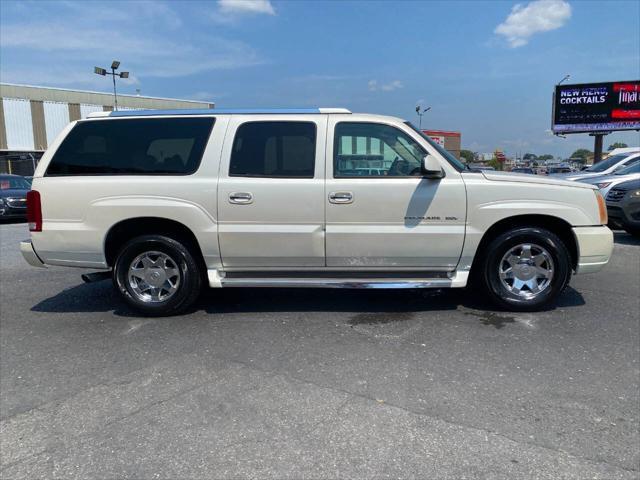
(241, 198)
(341, 197)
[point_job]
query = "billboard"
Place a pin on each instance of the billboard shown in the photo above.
(596, 107)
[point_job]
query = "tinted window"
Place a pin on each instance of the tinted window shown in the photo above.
(374, 150)
(274, 149)
(150, 146)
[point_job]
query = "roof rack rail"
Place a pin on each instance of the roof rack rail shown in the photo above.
(222, 111)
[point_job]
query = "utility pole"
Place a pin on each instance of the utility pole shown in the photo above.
(114, 66)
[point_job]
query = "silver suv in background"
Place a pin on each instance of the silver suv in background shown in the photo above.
(607, 182)
(612, 164)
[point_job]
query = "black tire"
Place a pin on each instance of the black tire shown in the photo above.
(635, 231)
(189, 272)
(489, 265)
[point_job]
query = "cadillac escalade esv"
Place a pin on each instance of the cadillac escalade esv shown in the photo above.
(169, 201)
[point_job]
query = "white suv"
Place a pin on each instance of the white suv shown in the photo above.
(169, 201)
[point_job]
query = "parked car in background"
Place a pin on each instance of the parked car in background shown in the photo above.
(623, 206)
(606, 182)
(558, 170)
(13, 196)
(612, 164)
(478, 167)
(627, 150)
(526, 170)
(164, 202)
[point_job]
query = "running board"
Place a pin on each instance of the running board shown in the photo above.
(456, 280)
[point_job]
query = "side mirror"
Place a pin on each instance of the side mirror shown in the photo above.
(431, 167)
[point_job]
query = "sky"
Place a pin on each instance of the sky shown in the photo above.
(486, 68)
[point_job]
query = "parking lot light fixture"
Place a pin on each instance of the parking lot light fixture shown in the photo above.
(420, 113)
(114, 66)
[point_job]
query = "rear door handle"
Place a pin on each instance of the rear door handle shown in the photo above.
(341, 197)
(241, 198)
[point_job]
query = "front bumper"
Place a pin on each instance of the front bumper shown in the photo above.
(595, 245)
(30, 255)
(624, 215)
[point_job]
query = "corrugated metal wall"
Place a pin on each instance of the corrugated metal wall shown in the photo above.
(32, 117)
(56, 117)
(18, 124)
(86, 109)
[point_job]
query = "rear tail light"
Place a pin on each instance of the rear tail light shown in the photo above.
(34, 211)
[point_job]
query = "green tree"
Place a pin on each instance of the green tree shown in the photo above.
(545, 157)
(495, 163)
(529, 156)
(617, 145)
(467, 155)
(582, 153)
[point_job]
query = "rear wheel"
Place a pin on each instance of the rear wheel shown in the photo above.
(525, 269)
(157, 275)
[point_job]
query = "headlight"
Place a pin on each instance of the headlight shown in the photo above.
(635, 193)
(602, 208)
(603, 185)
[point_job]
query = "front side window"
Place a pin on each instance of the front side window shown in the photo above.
(274, 149)
(374, 150)
(149, 146)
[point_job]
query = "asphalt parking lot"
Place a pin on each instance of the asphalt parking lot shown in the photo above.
(318, 383)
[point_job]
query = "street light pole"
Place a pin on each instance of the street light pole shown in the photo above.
(103, 71)
(420, 114)
(115, 94)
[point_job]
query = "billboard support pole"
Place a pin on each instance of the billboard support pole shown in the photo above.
(597, 145)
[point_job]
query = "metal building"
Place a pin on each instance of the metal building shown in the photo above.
(31, 118)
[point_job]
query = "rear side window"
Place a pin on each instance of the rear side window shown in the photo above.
(274, 149)
(150, 146)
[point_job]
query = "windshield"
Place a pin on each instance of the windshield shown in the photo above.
(11, 183)
(634, 168)
(457, 164)
(605, 164)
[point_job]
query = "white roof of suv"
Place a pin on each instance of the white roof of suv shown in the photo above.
(218, 111)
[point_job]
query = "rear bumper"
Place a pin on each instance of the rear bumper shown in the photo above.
(30, 255)
(11, 212)
(595, 245)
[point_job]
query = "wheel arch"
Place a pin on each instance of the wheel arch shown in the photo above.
(549, 222)
(125, 230)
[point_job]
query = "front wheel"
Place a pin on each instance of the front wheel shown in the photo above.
(157, 275)
(525, 269)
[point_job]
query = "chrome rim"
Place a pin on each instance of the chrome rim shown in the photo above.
(153, 277)
(526, 270)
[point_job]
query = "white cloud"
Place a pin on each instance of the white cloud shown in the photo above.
(537, 16)
(246, 6)
(67, 45)
(385, 87)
